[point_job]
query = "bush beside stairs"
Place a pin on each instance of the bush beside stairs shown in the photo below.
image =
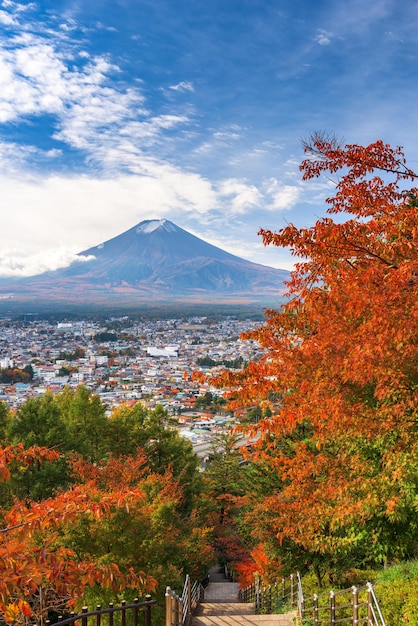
(222, 607)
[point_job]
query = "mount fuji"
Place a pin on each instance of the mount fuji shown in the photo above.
(155, 261)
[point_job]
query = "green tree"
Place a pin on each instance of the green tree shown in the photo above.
(84, 416)
(38, 422)
(225, 491)
(133, 428)
(5, 417)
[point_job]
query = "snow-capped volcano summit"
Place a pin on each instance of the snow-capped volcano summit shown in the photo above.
(158, 261)
(148, 226)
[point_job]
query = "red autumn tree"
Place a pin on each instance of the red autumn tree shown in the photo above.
(341, 362)
(38, 570)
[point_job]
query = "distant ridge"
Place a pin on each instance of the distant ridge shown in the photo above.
(153, 261)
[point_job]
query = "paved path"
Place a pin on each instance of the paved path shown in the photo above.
(222, 607)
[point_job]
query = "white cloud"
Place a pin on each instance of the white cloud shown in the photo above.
(18, 263)
(36, 79)
(323, 37)
(7, 19)
(226, 135)
(283, 197)
(183, 86)
(109, 125)
(239, 196)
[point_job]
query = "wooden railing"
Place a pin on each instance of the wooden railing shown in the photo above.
(355, 605)
(135, 614)
(179, 609)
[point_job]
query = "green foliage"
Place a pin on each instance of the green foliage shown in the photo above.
(396, 589)
(38, 422)
(207, 361)
(5, 418)
(105, 336)
(84, 416)
(132, 428)
(209, 402)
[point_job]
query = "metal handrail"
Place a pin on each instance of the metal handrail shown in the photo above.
(197, 595)
(301, 600)
(374, 607)
(265, 597)
(179, 609)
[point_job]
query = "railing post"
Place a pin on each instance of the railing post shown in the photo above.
(315, 610)
(292, 591)
(84, 619)
(136, 601)
(123, 613)
(148, 611)
(283, 588)
(168, 607)
(355, 606)
(257, 592)
(332, 608)
(179, 603)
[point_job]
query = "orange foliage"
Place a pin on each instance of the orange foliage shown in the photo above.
(259, 564)
(31, 555)
(341, 355)
(17, 454)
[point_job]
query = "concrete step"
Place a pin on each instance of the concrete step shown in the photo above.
(286, 619)
(222, 592)
(222, 607)
(225, 608)
(218, 578)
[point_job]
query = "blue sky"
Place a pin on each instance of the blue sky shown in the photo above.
(112, 112)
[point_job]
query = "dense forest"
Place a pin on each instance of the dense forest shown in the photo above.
(95, 505)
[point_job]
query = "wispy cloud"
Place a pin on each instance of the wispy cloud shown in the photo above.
(323, 37)
(182, 86)
(106, 122)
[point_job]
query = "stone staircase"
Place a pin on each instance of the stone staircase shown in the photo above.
(222, 606)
